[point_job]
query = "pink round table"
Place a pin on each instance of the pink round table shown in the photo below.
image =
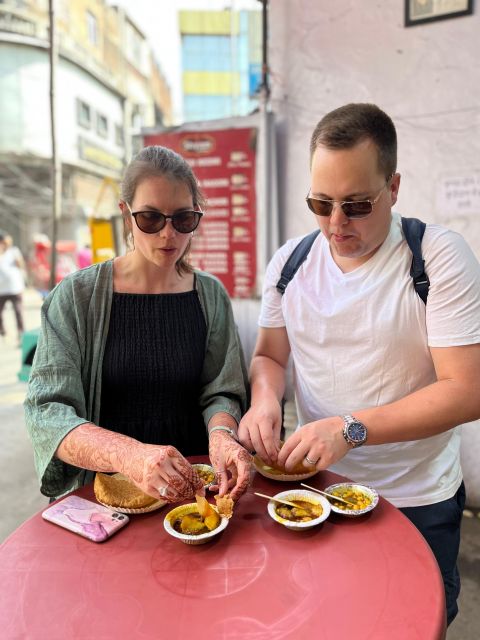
(372, 578)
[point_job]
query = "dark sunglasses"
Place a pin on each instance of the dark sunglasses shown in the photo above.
(154, 221)
(355, 209)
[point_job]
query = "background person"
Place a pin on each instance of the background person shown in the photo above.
(373, 364)
(12, 282)
(84, 257)
(139, 356)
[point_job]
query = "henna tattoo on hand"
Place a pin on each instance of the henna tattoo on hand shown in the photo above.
(228, 454)
(148, 466)
(97, 449)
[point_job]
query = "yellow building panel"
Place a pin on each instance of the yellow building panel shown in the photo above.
(222, 83)
(102, 239)
(255, 36)
(209, 22)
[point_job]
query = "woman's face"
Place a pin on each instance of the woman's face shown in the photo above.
(164, 195)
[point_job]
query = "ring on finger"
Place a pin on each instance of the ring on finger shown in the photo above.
(311, 462)
(162, 491)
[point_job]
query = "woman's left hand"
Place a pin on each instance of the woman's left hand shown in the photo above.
(226, 454)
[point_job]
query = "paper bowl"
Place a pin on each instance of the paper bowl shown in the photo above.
(273, 474)
(205, 468)
(305, 496)
(354, 513)
(183, 510)
(152, 507)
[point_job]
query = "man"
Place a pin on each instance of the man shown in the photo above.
(12, 282)
(373, 365)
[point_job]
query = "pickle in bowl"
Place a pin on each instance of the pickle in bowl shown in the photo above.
(362, 499)
(206, 473)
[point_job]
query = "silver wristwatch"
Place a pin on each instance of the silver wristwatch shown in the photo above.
(354, 431)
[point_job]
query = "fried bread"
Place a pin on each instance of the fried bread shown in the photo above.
(225, 505)
(118, 491)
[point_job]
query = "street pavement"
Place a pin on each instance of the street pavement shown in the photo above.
(20, 497)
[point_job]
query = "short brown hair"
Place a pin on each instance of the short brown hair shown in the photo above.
(345, 127)
(157, 161)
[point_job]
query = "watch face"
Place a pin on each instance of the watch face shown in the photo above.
(357, 431)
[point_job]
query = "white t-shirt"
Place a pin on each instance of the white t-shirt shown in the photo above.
(360, 340)
(11, 276)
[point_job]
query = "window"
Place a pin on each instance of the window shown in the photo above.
(136, 53)
(119, 137)
(102, 125)
(92, 29)
(137, 50)
(84, 114)
(137, 116)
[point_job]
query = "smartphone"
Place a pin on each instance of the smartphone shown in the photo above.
(87, 518)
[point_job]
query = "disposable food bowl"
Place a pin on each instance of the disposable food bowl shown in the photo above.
(183, 510)
(347, 488)
(276, 474)
(305, 496)
(202, 469)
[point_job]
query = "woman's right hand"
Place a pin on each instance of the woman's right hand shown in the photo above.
(162, 472)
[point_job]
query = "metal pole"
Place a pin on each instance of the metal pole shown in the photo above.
(268, 228)
(56, 166)
(265, 84)
(233, 57)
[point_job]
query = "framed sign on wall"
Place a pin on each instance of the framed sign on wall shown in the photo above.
(421, 11)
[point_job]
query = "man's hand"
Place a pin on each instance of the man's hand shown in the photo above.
(228, 455)
(259, 429)
(322, 442)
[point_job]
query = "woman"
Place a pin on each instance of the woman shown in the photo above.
(139, 363)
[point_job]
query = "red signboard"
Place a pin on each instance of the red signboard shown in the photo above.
(224, 162)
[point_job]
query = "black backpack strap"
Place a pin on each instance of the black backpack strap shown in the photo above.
(295, 260)
(413, 230)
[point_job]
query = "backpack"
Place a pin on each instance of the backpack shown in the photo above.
(413, 230)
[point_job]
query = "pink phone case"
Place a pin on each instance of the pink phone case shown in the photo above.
(87, 518)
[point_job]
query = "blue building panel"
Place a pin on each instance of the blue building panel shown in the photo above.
(201, 107)
(254, 78)
(238, 54)
(206, 53)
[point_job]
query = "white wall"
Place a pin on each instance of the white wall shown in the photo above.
(24, 81)
(75, 83)
(426, 77)
(25, 111)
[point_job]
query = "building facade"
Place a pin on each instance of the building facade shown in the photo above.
(221, 63)
(108, 86)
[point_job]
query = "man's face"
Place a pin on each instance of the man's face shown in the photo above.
(353, 174)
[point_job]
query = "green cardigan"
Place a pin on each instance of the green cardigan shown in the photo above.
(64, 389)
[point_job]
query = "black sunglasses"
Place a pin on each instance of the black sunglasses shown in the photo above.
(351, 208)
(154, 221)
